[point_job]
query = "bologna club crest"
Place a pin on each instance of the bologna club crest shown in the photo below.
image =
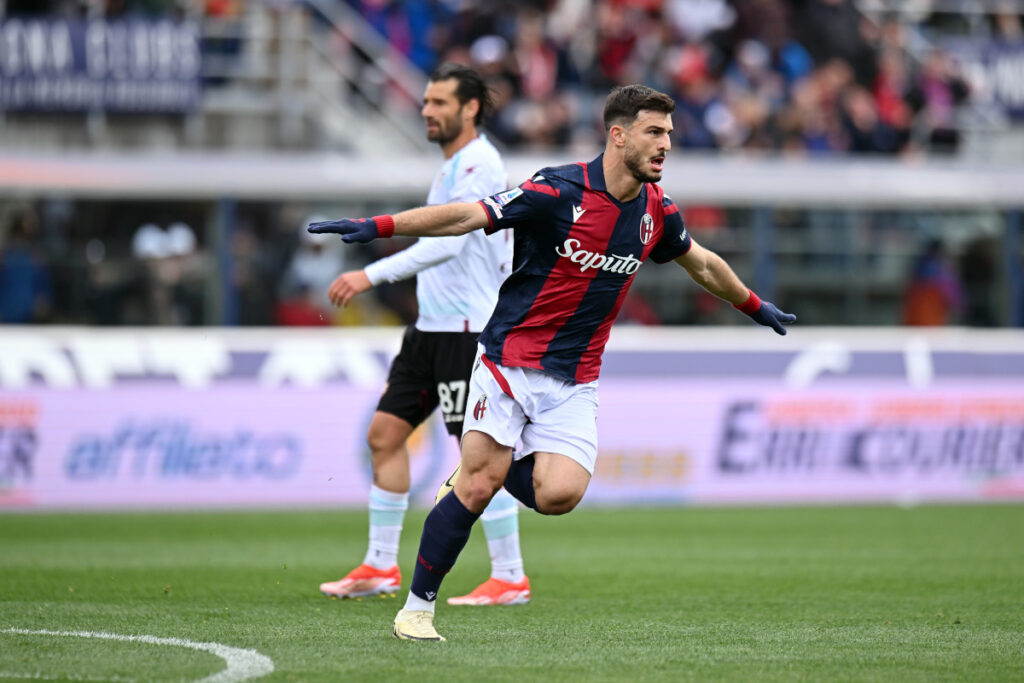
(646, 228)
(480, 408)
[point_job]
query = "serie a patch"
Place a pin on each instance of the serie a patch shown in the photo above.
(507, 196)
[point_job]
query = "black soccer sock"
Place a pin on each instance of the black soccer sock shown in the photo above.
(444, 536)
(519, 482)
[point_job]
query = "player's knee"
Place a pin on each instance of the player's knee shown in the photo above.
(383, 441)
(557, 500)
(475, 491)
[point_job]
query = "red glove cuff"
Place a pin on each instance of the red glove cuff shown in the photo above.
(385, 226)
(749, 306)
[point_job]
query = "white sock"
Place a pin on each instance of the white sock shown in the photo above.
(418, 604)
(387, 512)
(501, 527)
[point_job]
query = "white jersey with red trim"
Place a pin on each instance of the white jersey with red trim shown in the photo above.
(457, 277)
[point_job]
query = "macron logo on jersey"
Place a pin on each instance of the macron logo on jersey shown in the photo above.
(611, 263)
(577, 211)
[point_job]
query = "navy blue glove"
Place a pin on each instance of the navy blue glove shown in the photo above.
(356, 229)
(766, 313)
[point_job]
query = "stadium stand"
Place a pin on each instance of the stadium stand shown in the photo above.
(824, 144)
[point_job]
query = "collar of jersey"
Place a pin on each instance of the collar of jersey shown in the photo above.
(595, 178)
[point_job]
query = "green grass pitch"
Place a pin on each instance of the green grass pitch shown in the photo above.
(932, 593)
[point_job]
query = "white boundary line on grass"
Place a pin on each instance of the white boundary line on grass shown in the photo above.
(241, 664)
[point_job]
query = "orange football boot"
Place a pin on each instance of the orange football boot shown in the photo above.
(363, 581)
(496, 592)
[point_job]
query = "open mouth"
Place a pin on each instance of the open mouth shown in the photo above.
(657, 163)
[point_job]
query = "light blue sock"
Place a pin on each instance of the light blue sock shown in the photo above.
(387, 512)
(501, 527)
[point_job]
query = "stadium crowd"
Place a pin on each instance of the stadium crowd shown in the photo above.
(806, 77)
(793, 76)
(797, 76)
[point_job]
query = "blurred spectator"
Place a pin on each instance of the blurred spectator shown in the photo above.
(834, 29)
(545, 116)
(314, 266)
(695, 20)
(890, 91)
(172, 276)
(755, 92)
(768, 22)
(253, 278)
(703, 121)
(1006, 23)
(865, 131)
(223, 48)
(939, 89)
(26, 290)
(428, 29)
(934, 295)
(978, 268)
(295, 309)
(617, 38)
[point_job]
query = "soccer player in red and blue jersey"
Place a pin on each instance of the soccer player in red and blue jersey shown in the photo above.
(581, 233)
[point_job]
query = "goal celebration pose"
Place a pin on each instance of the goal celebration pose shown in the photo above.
(582, 231)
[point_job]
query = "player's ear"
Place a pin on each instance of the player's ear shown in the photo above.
(617, 135)
(470, 109)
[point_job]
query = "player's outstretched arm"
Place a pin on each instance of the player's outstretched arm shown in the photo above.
(711, 272)
(347, 285)
(426, 221)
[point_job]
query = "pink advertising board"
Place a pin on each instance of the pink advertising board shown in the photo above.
(147, 420)
(740, 442)
(222, 446)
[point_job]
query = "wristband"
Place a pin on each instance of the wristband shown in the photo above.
(751, 305)
(385, 225)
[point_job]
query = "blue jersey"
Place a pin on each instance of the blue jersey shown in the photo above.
(577, 250)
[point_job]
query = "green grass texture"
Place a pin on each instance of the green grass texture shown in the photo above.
(929, 593)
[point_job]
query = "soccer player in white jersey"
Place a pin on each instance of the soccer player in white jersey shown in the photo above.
(457, 280)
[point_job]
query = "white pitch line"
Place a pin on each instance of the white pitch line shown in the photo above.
(241, 664)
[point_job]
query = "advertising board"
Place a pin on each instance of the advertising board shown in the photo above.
(157, 419)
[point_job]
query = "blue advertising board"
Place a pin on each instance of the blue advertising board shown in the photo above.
(135, 66)
(995, 71)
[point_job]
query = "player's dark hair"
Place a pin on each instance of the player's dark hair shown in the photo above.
(625, 102)
(469, 85)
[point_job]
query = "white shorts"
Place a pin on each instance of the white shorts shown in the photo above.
(545, 413)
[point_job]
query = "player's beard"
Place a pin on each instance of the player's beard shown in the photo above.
(447, 130)
(636, 162)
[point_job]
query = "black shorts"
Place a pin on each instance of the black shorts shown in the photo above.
(432, 369)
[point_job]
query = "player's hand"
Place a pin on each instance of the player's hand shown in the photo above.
(356, 229)
(769, 315)
(346, 286)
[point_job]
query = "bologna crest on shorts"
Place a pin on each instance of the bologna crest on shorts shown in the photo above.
(646, 228)
(480, 408)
